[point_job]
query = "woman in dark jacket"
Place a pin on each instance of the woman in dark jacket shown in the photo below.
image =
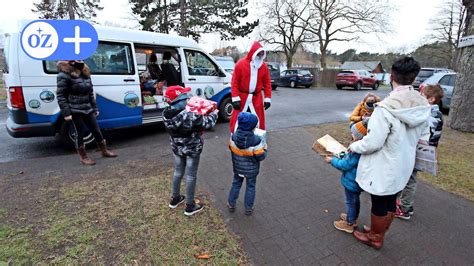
(78, 106)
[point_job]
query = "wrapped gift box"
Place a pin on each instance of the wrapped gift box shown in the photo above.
(200, 106)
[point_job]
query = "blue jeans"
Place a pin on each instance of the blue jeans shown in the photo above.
(352, 205)
(190, 165)
(249, 191)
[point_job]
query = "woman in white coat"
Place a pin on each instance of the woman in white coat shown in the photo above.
(388, 151)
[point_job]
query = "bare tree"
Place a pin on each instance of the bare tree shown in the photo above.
(286, 26)
(344, 21)
(461, 116)
(447, 27)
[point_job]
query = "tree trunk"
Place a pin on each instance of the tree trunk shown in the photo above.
(461, 109)
(322, 60)
(182, 17)
(289, 60)
(70, 8)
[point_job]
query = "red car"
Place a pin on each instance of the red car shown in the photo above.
(356, 79)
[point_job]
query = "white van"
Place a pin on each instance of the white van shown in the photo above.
(120, 58)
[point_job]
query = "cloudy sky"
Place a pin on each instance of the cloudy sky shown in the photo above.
(410, 19)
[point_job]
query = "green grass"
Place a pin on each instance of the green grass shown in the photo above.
(115, 218)
(3, 92)
(455, 153)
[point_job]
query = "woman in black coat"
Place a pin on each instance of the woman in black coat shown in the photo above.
(78, 106)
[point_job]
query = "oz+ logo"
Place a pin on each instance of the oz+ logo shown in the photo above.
(59, 39)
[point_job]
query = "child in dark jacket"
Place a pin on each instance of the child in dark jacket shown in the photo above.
(247, 151)
(348, 165)
(185, 129)
(434, 94)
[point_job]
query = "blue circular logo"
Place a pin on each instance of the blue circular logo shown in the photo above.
(47, 96)
(35, 104)
(198, 92)
(131, 100)
(208, 92)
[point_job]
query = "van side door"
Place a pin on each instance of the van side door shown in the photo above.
(116, 84)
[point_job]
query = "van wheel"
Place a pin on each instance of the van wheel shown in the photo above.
(307, 86)
(339, 87)
(274, 87)
(67, 135)
(225, 109)
(292, 84)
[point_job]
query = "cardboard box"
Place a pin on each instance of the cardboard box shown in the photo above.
(327, 145)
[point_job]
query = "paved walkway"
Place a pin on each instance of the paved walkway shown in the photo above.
(299, 196)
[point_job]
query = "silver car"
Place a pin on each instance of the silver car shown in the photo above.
(447, 81)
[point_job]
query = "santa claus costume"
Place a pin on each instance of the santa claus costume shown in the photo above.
(250, 84)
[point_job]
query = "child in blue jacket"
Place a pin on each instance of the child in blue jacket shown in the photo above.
(247, 150)
(348, 166)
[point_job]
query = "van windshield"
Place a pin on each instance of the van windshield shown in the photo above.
(109, 58)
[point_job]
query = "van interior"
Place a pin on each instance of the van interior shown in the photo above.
(158, 67)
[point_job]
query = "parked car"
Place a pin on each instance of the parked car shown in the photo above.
(296, 77)
(226, 62)
(447, 81)
(356, 79)
(425, 73)
(274, 74)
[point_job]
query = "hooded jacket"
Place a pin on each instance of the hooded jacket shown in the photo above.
(247, 151)
(249, 80)
(436, 125)
(360, 111)
(74, 90)
(348, 166)
(185, 127)
(388, 151)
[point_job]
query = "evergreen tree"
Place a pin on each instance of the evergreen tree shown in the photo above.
(67, 9)
(192, 18)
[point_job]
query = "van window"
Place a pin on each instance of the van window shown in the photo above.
(6, 54)
(109, 58)
(200, 65)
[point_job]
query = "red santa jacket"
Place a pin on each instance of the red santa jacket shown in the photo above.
(251, 80)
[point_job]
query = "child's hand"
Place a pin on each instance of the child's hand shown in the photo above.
(328, 159)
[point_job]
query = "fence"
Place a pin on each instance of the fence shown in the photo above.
(324, 78)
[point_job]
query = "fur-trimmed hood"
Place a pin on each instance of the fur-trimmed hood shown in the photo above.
(64, 66)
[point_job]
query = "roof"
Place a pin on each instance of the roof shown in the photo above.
(360, 65)
(136, 36)
(145, 37)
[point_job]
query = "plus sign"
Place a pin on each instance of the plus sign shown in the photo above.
(77, 40)
(39, 31)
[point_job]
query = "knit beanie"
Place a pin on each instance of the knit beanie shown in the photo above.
(247, 121)
(359, 130)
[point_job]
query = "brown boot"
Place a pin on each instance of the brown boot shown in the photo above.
(85, 160)
(105, 152)
(390, 217)
(374, 238)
